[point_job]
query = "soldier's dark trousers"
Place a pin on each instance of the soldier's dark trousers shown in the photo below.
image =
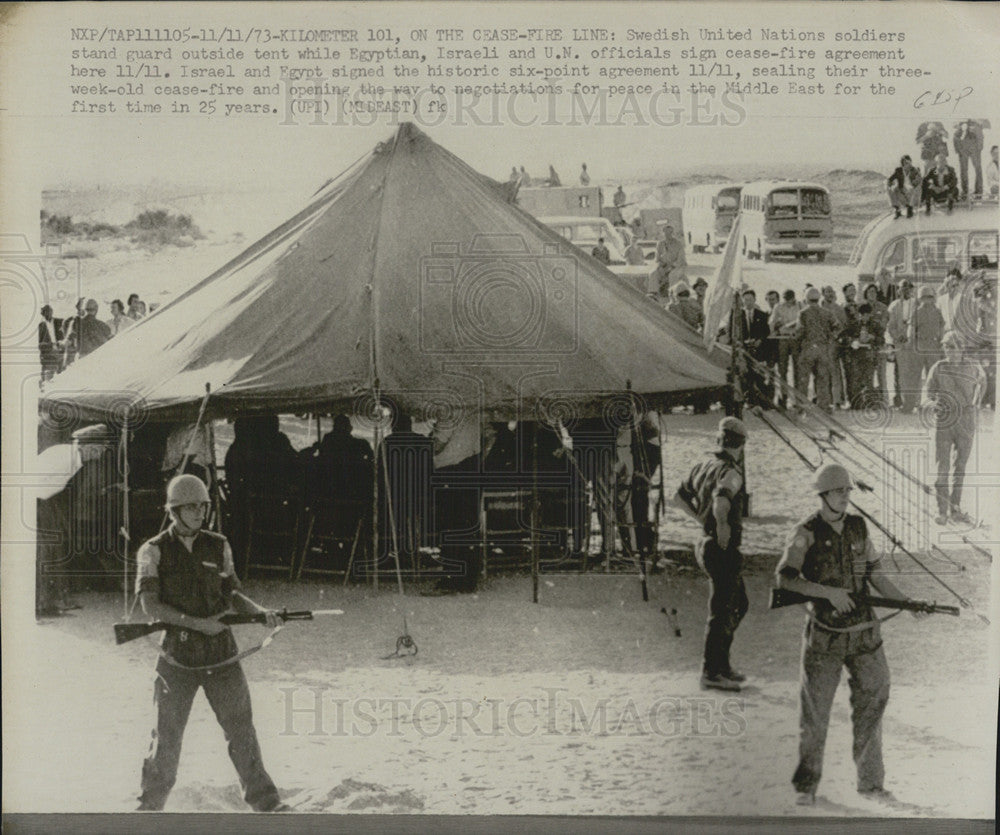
(228, 694)
(824, 653)
(952, 447)
(727, 602)
(645, 530)
(814, 360)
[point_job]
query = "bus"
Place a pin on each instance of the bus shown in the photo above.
(709, 212)
(923, 248)
(785, 218)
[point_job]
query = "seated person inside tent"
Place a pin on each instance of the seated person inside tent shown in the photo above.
(337, 494)
(260, 474)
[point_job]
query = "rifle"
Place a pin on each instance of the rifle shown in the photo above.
(784, 597)
(125, 632)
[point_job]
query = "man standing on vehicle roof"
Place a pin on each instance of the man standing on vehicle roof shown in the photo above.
(830, 556)
(714, 493)
(185, 578)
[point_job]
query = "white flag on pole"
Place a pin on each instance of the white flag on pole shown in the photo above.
(727, 279)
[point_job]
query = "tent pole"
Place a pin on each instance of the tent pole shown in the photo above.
(392, 521)
(213, 470)
(197, 425)
(636, 436)
(736, 337)
(125, 515)
(375, 493)
(534, 513)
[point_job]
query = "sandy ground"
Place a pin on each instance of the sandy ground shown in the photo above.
(585, 703)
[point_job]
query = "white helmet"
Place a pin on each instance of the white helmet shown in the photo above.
(186, 489)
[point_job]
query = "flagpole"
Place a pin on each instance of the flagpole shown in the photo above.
(736, 342)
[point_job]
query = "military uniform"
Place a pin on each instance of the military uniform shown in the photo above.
(840, 555)
(818, 329)
(719, 476)
(197, 578)
(689, 311)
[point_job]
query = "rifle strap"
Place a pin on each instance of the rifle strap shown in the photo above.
(857, 627)
(173, 662)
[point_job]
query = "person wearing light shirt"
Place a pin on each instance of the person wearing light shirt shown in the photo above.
(950, 297)
(900, 332)
(954, 388)
(783, 322)
(118, 321)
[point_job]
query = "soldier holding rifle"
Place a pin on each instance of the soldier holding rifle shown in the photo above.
(186, 579)
(829, 557)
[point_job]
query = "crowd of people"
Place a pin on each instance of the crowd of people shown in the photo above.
(62, 341)
(837, 351)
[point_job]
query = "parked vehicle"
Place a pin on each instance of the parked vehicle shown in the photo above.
(923, 248)
(784, 217)
(709, 212)
(578, 201)
(584, 233)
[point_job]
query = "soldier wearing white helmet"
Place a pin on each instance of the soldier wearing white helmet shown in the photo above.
(714, 493)
(830, 556)
(185, 578)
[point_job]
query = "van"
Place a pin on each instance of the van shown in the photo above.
(923, 248)
(709, 212)
(784, 217)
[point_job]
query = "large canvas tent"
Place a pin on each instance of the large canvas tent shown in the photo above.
(410, 275)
